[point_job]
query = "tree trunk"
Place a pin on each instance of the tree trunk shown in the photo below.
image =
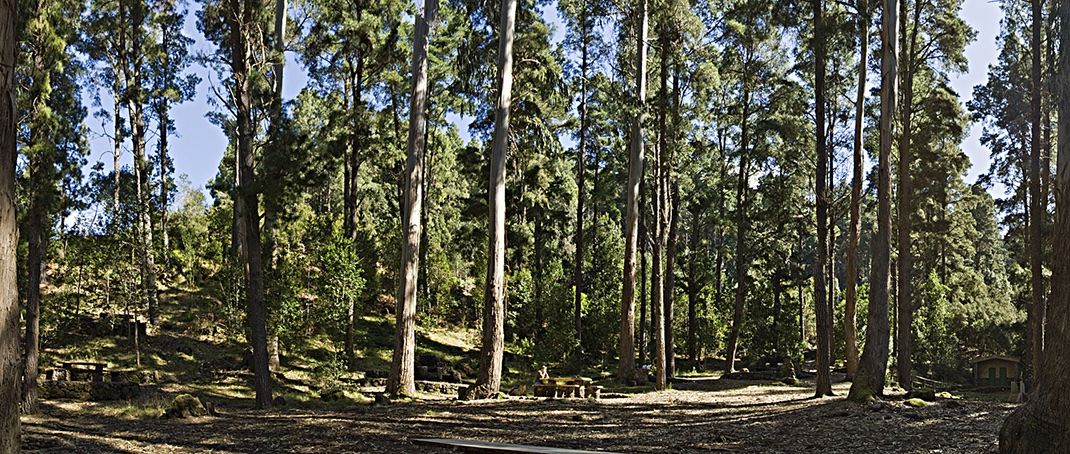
(164, 124)
(661, 216)
(120, 65)
(274, 130)
(165, 185)
(693, 286)
(1043, 423)
(142, 172)
(355, 147)
(10, 370)
(352, 178)
(581, 167)
(672, 199)
(905, 289)
(776, 313)
(642, 280)
(540, 258)
(237, 233)
(402, 380)
(490, 364)
(670, 282)
(718, 273)
(37, 246)
(626, 350)
(117, 140)
(873, 365)
(657, 288)
(821, 311)
(1037, 210)
(657, 282)
(147, 256)
(742, 262)
(850, 328)
(280, 62)
(242, 13)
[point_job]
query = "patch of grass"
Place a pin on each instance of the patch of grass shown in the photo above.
(149, 408)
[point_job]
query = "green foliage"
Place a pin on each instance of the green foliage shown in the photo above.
(347, 124)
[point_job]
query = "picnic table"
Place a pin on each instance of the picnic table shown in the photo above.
(94, 370)
(567, 387)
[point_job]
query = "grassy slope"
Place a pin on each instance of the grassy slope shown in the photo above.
(191, 352)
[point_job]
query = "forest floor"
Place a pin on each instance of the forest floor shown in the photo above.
(699, 415)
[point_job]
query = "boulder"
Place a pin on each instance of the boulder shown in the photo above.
(186, 406)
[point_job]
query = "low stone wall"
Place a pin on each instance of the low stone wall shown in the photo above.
(437, 387)
(91, 391)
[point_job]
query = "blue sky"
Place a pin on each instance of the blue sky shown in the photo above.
(198, 145)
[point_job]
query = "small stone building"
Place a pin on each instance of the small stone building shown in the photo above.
(995, 371)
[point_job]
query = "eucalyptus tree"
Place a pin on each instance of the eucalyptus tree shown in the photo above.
(850, 329)
(133, 64)
(402, 372)
(53, 145)
(354, 50)
(10, 375)
(170, 83)
(1036, 426)
(493, 343)
(1037, 202)
(1006, 119)
(626, 344)
(751, 40)
(104, 42)
(234, 27)
(873, 364)
(822, 195)
(583, 18)
(934, 38)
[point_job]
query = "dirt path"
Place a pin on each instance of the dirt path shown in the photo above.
(698, 416)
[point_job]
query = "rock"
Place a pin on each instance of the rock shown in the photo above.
(916, 403)
(519, 390)
(790, 381)
(185, 406)
(279, 401)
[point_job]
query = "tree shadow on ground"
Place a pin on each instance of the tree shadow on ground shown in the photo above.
(751, 419)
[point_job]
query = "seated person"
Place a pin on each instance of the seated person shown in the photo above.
(544, 376)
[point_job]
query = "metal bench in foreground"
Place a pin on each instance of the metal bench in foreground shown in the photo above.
(494, 447)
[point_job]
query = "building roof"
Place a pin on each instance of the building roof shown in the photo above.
(994, 358)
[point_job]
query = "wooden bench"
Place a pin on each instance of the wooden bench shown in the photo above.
(94, 370)
(494, 447)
